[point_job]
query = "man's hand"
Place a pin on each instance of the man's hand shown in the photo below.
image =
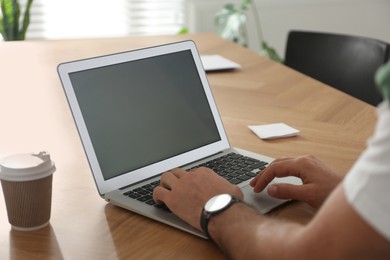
(185, 193)
(243, 233)
(318, 180)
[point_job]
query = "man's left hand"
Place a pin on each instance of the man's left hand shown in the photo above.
(186, 192)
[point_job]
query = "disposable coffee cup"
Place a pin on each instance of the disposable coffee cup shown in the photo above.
(26, 180)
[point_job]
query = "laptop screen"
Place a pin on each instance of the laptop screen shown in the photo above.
(144, 111)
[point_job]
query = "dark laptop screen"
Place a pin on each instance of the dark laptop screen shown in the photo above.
(144, 111)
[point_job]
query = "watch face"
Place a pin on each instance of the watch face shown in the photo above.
(217, 203)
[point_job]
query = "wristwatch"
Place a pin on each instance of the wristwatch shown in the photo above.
(214, 206)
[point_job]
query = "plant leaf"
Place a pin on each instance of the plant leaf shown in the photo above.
(270, 52)
(233, 26)
(2, 27)
(11, 12)
(223, 14)
(183, 30)
(230, 23)
(245, 5)
(26, 21)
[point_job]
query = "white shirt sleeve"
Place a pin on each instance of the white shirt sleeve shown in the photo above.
(367, 185)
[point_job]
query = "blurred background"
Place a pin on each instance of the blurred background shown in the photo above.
(268, 20)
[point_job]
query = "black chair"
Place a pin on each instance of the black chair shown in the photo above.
(345, 62)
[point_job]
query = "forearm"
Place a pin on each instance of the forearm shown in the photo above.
(336, 232)
(251, 235)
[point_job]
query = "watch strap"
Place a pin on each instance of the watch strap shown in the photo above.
(205, 216)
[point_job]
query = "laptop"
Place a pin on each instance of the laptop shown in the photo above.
(143, 112)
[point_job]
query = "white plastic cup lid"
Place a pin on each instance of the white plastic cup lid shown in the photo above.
(26, 167)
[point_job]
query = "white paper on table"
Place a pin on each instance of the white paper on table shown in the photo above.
(217, 62)
(272, 131)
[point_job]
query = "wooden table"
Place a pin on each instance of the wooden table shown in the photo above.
(35, 116)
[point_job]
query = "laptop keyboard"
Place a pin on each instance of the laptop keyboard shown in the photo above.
(234, 167)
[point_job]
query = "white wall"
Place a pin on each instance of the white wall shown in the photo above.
(370, 18)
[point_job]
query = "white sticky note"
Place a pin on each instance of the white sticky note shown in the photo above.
(272, 131)
(217, 62)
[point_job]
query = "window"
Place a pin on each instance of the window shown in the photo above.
(155, 16)
(55, 19)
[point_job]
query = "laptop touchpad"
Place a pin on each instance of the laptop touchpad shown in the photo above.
(262, 201)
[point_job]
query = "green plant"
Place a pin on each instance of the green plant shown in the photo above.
(183, 30)
(231, 22)
(9, 22)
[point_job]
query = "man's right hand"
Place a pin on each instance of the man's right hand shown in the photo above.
(318, 180)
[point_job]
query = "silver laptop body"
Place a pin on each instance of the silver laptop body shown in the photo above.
(143, 112)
